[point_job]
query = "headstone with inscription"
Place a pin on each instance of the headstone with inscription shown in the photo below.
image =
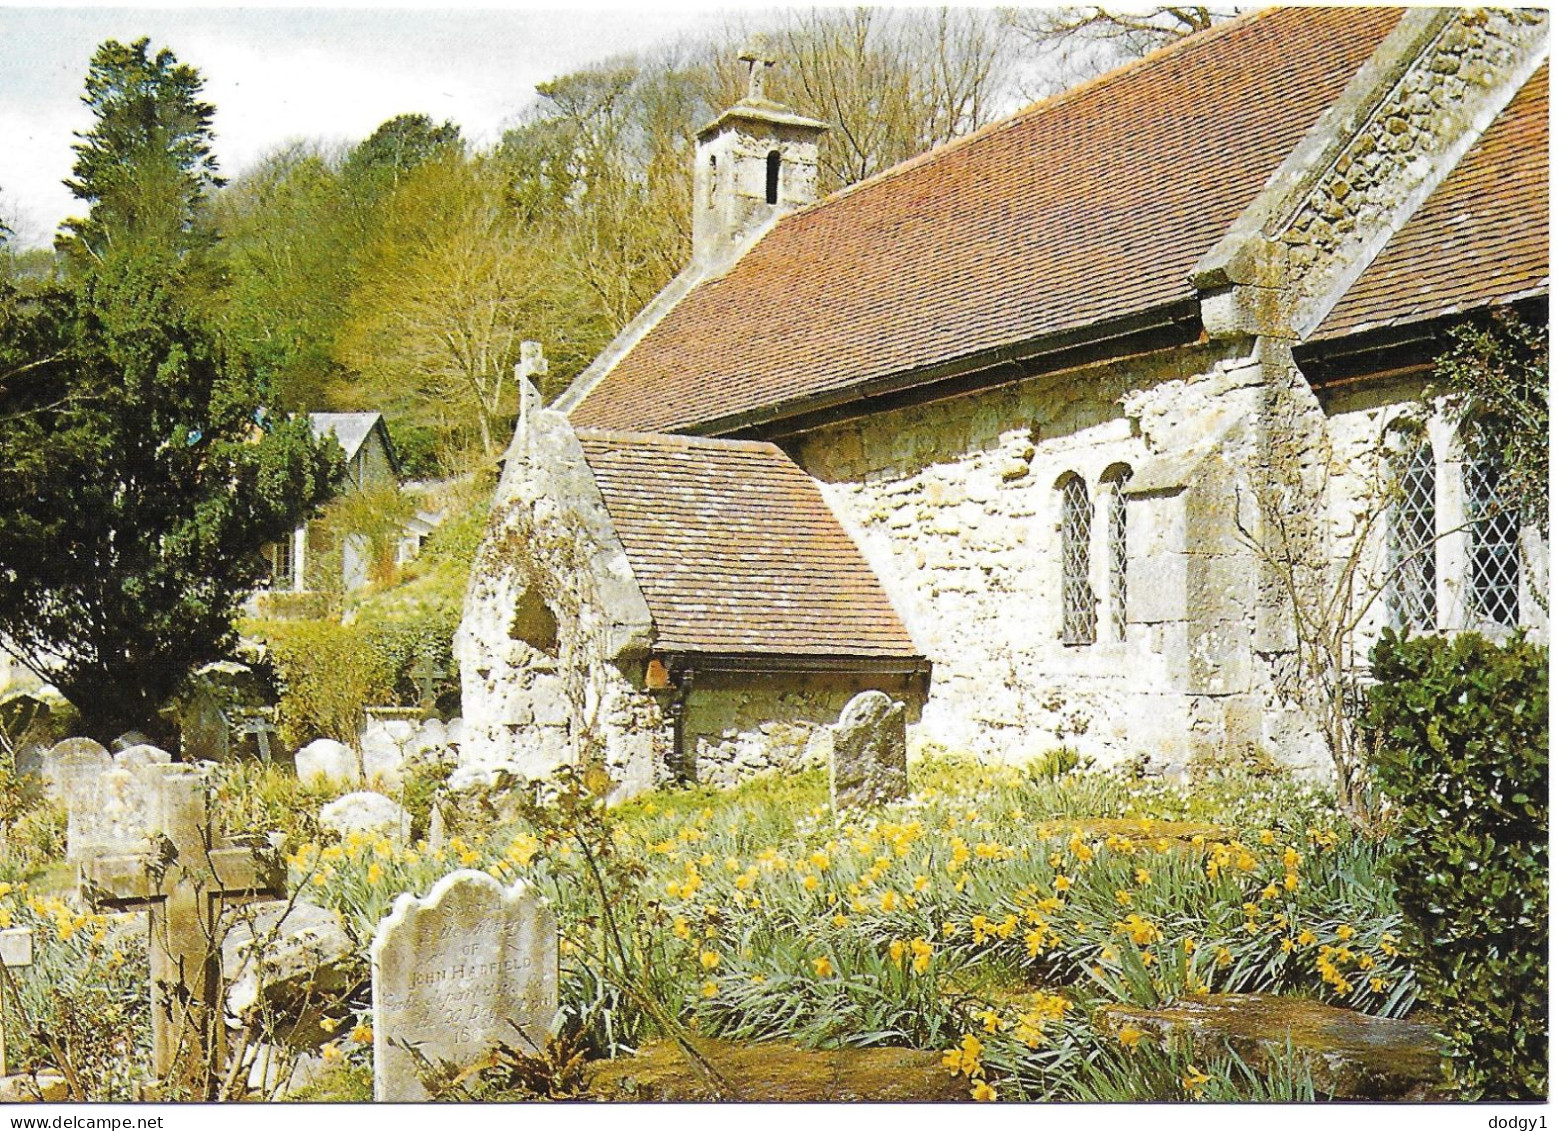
(471, 966)
(112, 814)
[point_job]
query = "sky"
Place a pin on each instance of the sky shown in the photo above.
(280, 73)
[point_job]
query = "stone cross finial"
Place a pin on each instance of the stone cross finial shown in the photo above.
(181, 883)
(532, 361)
(759, 58)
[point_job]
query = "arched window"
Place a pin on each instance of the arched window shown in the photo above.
(773, 177)
(1414, 606)
(1119, 554)
(1079, 617)
(1493, 544)
(713, 178)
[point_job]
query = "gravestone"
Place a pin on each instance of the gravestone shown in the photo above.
(181, 881)
(327, 762)
(870, 764)
(29, 760)
(70, 767)
(15, 953)
(366, 812)
(386, 746)
(205, 733)
(114, 813)
(454, 975)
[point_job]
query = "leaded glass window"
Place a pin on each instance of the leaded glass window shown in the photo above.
(1493, 560)
(1079, 621)
(1117, 556)
(1414, 605)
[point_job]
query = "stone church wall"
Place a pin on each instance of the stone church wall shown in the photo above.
(736, 725)
(555, 635)
(957, 507)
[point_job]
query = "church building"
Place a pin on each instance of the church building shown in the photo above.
(1035, 431)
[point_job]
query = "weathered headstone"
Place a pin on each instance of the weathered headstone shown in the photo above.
(142, 756)
(327, 762)
(15, 952)
(366, 812)
(454, 975)
(205, 733)
(385, 749)
(29, 760)
(113, 814)
(70, 767)
(181, 882)
(870, 763)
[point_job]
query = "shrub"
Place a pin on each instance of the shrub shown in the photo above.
(327, 674)
(1461, 727)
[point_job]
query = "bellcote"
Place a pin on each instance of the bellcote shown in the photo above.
(754, 161)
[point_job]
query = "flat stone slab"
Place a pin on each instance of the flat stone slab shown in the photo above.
(773, 1072)
(1351, 1055)
(1140, 831)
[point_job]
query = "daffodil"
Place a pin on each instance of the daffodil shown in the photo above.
(1129, 1036)
(823, 966)
(983, 1092)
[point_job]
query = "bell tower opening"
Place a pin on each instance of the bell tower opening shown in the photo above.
(755, 161)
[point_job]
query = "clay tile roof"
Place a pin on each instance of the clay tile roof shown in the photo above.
(737, 552)
(1479, 240)
(1089, 206)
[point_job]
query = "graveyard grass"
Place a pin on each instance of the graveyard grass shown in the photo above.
(940, 923)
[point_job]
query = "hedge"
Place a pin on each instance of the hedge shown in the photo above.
(1461, 730)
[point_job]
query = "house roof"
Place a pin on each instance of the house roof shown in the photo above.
(350, 429)
(737, 552)
(1479, 240)
(1090, 206)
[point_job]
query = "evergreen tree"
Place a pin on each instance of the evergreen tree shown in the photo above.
(142, 474)
(146, 165)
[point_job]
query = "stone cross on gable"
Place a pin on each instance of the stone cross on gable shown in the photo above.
(759, 59)
(182, 882)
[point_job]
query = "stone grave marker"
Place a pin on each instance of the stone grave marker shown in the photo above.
(205, 732)
(181, 882)
(327, 762)
(454, 975)
(366, 812)
(70, 767)
(15, 952)
(113, 815)
(870, 762)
